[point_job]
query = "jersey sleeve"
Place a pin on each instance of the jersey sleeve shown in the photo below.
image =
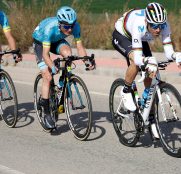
(47, 38)
(4, 22)
(137, 32)
(167, 43)
(76, 32)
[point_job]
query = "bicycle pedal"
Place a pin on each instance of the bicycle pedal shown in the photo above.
(80, 107)
(172, 120)
(8, 98)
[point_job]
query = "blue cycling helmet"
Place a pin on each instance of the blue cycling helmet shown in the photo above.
(66, 15)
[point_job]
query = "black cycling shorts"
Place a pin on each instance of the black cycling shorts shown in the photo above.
(124, 46)
(54, 48)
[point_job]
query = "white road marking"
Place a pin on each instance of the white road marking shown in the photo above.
(7, 170)
(24, 83)
(91, 92)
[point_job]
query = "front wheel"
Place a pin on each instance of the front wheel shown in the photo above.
(124, 122)
(8, 100)
(78, 108)
(168, 119)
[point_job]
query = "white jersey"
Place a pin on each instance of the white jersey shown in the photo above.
(133, 26)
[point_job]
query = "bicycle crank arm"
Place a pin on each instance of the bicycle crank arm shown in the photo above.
(172, 120)
(5, 99)
(76, 108)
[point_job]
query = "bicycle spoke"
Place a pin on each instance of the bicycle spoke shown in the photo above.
(169, 125)
(123, 121)
(8, 98)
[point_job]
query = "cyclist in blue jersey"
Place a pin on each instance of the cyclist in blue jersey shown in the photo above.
(7, 32)
(49, 36)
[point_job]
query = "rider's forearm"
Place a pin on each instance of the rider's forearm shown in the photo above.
(168, 49)
(12, 43)
(81, 50)
(11, 40)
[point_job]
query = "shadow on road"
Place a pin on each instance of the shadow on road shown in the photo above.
(97, 130)
(25, 110)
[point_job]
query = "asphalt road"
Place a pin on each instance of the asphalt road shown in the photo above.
(27, 149)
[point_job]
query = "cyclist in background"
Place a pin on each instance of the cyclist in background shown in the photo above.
(132, 33)
(7, 32)
(49, 36)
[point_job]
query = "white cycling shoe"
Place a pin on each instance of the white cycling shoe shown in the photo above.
(154, 131)
(128, 101)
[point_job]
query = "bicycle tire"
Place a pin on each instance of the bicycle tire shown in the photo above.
(8, 93)
(37, 106)
(79, 115)
(168, 129)
(126, 137)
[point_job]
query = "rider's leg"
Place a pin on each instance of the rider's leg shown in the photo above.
(47, 77)
(131, 73)
(129, 77)
(124, 46)
(63, 49)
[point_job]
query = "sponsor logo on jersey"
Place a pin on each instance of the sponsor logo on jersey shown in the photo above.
(141, 28)
(135, 41)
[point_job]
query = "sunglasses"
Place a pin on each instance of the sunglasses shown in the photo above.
(156, 26)
(66, 27)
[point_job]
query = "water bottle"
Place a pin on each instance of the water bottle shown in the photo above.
(60, 88)
(144, 97)
(135, 92)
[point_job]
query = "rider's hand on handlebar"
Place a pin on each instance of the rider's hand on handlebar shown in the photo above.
(17, 57)
(90, 64)
(151, 66)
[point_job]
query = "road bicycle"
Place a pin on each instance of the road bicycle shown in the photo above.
(166, 99)
(8, 96)
(75, 97)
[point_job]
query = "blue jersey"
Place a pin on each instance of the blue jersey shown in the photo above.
(4, 22)
(48, 31)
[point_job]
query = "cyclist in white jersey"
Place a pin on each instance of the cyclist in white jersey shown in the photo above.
(132, 33)
(49, 36)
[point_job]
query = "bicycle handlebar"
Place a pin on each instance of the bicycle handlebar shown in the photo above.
(17, 51)
(71, 59)
(161, 66)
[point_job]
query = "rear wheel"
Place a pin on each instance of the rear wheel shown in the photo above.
(8, 100)
(37, 102)
(78, 108)
(125, 123)
(168, 119)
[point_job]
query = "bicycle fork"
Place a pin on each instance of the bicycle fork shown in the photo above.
(82, 106)
(162, 105)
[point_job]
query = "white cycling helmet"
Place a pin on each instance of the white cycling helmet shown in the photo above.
(66, 15)
(155, 13)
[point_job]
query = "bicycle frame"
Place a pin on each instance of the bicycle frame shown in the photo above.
(154, 88)
(68, 73)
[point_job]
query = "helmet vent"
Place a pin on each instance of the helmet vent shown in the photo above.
(64, 16)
